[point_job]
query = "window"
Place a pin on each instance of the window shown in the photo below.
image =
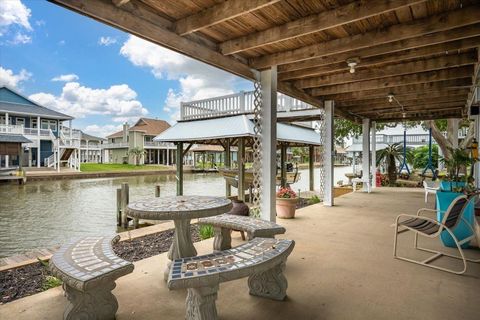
(49, 124)
(20, 122)
(2, 119)
(33, 122)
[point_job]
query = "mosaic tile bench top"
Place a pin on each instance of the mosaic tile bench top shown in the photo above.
(83, 263)
(257, 255)
(256, 227)
(178, 207)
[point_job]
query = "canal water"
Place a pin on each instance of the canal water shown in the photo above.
(42, 214)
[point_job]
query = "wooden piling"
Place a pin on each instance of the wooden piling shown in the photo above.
(125, 198)
(157, 191)
(119, 207)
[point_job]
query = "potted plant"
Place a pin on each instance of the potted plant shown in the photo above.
(451, 186)
(286, 203)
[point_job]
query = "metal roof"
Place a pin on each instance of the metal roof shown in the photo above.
(29, 110)
(209, 130)
(15, 138)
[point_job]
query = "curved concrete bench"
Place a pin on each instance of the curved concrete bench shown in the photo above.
(262, 260)
(88, 268)
(223, 223)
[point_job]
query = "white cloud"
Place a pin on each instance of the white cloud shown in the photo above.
(61, 42)
(102, 131)
(106, 41)
(14, 13)
(12, 80)
(20, 38)
(66, 77)
(40, 23)
(118, 101)
(197, 80)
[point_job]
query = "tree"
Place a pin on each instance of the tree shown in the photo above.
(137, 154)
(446, 143)
(420, 157)
(391, 154)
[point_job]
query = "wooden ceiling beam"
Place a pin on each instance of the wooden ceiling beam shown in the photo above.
(410, 105)
(352, 12)
(405, 99)
(387, 49)
(457, 113)
(416, 53)
(415, 28)
(391, 82)
(219, 13)
(439, 63)
(423, 108)
(400, 91)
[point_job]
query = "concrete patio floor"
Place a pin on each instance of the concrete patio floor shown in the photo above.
(341, 268)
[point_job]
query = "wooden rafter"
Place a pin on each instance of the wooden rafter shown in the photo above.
(416, 28)
(389, 70)
(424, 77)
(324, 20)
(414, 104)
(221, 12)
(415, 53)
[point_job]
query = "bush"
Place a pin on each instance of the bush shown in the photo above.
(420, 157)
(51, 282)
(314, 199)
(206, 231)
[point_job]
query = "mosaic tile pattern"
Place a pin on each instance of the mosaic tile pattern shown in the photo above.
(83, 261)
(232, 264)
(178, 207)
(254, 227)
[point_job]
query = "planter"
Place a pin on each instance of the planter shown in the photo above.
(444, 198)
(286, 207)
(448, 185)
(239, 208)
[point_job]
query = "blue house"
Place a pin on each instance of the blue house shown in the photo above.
(51, 143)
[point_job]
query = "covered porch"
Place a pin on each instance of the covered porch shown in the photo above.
(342, 268)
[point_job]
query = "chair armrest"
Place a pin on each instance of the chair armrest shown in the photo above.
(426, 209)
(419, 217)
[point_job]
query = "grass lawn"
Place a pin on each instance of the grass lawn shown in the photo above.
(99, 167)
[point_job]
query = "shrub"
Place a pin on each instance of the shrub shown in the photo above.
(206, 231)
(51, 282)
(314, 199)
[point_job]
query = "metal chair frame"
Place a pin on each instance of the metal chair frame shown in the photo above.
(442, 227)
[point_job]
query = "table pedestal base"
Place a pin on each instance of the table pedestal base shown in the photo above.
(182, 244)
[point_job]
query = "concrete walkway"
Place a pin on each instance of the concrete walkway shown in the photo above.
(341, 268)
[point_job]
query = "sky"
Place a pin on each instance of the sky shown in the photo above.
(100, 75)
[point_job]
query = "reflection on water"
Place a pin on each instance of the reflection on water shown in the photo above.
(46, 213)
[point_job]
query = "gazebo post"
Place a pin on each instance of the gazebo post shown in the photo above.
(283, 169)
(365, 152)
(311, 176)
(268, 80)
(476, 174)
(179, 165)
(328, 191)
(228, 189)
(241, 169)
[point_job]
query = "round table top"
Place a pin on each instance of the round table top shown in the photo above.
(178, 207)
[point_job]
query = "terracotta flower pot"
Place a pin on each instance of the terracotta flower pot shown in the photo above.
(286, 207)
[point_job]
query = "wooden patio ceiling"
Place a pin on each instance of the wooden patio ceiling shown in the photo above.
(425, 52)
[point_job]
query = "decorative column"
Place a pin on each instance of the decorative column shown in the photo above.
(374, 153)
(168, 156)
(283, 159)
(268, 136)
(365, 152)
(38, 139)
(477, 164)
(241, 169)
(327, 136)
(179, 166)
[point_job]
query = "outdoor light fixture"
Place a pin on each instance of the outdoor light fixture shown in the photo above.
(390, 97)
(352, 63)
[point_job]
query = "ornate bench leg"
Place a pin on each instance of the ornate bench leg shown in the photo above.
(98, 303)
(223, 239)
(201, 303)
(270, 284)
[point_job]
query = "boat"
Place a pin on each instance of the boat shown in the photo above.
(12, 171)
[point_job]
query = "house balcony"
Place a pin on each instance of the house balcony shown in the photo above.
(158, 145)
(11, 129)
(116, 145)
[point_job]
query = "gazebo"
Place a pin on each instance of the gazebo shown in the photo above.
(345, 57)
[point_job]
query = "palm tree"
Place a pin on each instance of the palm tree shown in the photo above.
(137, 153)
(390, 155)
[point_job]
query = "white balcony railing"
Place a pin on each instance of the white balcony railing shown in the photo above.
(11, 129)
(115, 145)
(238, 103)
(34, 132)
(158, 144)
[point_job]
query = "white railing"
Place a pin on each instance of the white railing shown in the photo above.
(115, 145)
(238, 103)
(11, 128)
(76, 135)
(158, 144)
(50, 161)
(34, 132)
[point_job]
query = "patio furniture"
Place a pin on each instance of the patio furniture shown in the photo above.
(430, 187)
(262, 260)
(431, 228)
(361, 180)
(88, 268)
(180, 209)
(225, 223)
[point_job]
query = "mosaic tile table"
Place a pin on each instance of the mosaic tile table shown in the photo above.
(180, 209)
(88, 268)
(262, 260)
